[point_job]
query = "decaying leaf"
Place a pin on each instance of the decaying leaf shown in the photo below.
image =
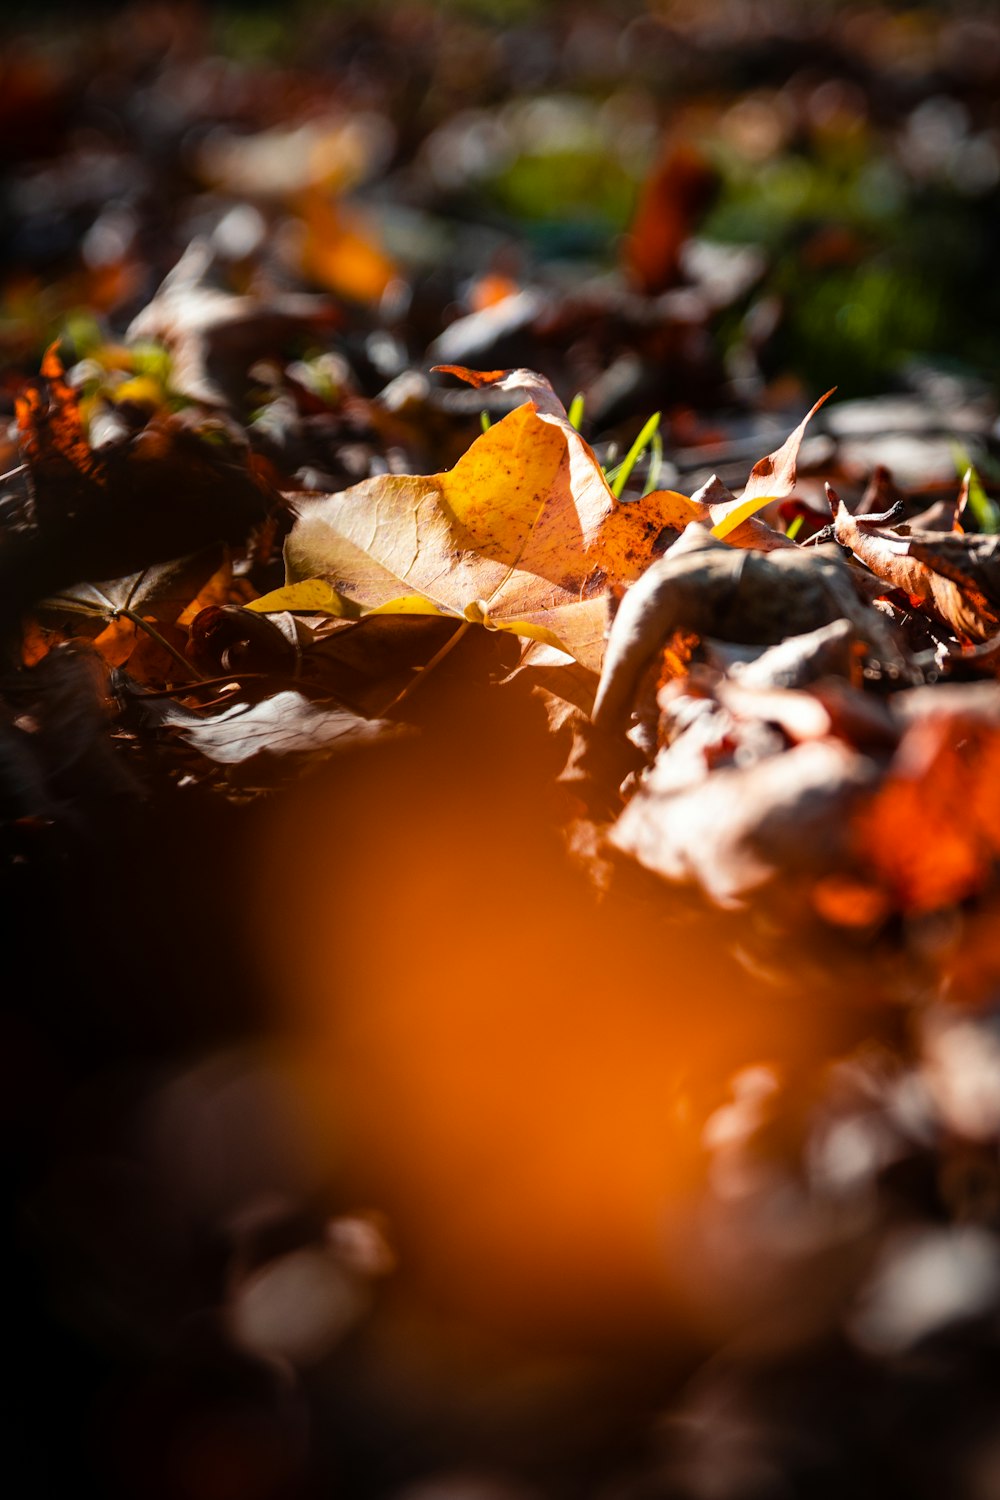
(831, 651)
(954, 576)
(53, 440)
(110, 512)
(110, 613)
(931, 833)
(705, 586)
(287, 723)
(739, 828)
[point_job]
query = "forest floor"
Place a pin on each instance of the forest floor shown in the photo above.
(500, 743)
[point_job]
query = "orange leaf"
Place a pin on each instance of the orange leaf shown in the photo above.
(931, 834)
(52, 429)
(523, 534)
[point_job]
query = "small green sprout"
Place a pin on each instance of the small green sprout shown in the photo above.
(575, 413)
(985, 511)
(655, 464)
(619, 476)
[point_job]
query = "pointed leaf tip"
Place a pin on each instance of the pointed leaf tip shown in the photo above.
(771, 478)
(477, 378)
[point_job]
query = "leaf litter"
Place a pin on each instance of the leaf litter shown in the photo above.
(634, 893)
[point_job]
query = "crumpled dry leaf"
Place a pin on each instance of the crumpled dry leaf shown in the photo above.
(953, 575)
(831, 651)
(705, 586)
(53, 440)
(523, 534)
(288, 723)
(739, 828)
(169, 594)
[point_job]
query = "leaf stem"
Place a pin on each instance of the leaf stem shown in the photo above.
(137, 620)
(421, 677)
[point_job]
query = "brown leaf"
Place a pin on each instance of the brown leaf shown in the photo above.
(213, 335)
(741, 828)
(159, 494)
(286, 724)
(952, 576)
(672, 199)
(53, 440)
(705, 586)
(166, 595)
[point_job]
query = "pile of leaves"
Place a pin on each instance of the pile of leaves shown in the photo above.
(504, 884)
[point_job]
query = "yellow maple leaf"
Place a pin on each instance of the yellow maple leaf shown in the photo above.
(523, 534)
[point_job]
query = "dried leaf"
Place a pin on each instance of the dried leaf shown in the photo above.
(523, 534)
(158, 495)
(312, 596)
(213, 335)
(706, 586)
(674, 196)
(771, 478)
(51, 426)
(166, 595)
(341, 249)
(951, 575)
(932, 831)
(286, 724)
(741, 828)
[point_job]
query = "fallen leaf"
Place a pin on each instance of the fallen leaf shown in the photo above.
(311, 596)
(741, 828)
(341, 250)
(286, 724)
(705, 586)
(831, 651)
(952, 575)
(166, 595)
(53, 440)
(931, 833)
(523, 534)
(672, 200)
(224, 638)
(771, 478)
(104, 513)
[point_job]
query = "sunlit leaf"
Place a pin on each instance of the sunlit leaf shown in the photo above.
(770, 479)
(524, 528)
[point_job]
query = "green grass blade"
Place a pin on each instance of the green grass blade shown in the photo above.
(985, 511)
(623, 473)
(655, 465)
